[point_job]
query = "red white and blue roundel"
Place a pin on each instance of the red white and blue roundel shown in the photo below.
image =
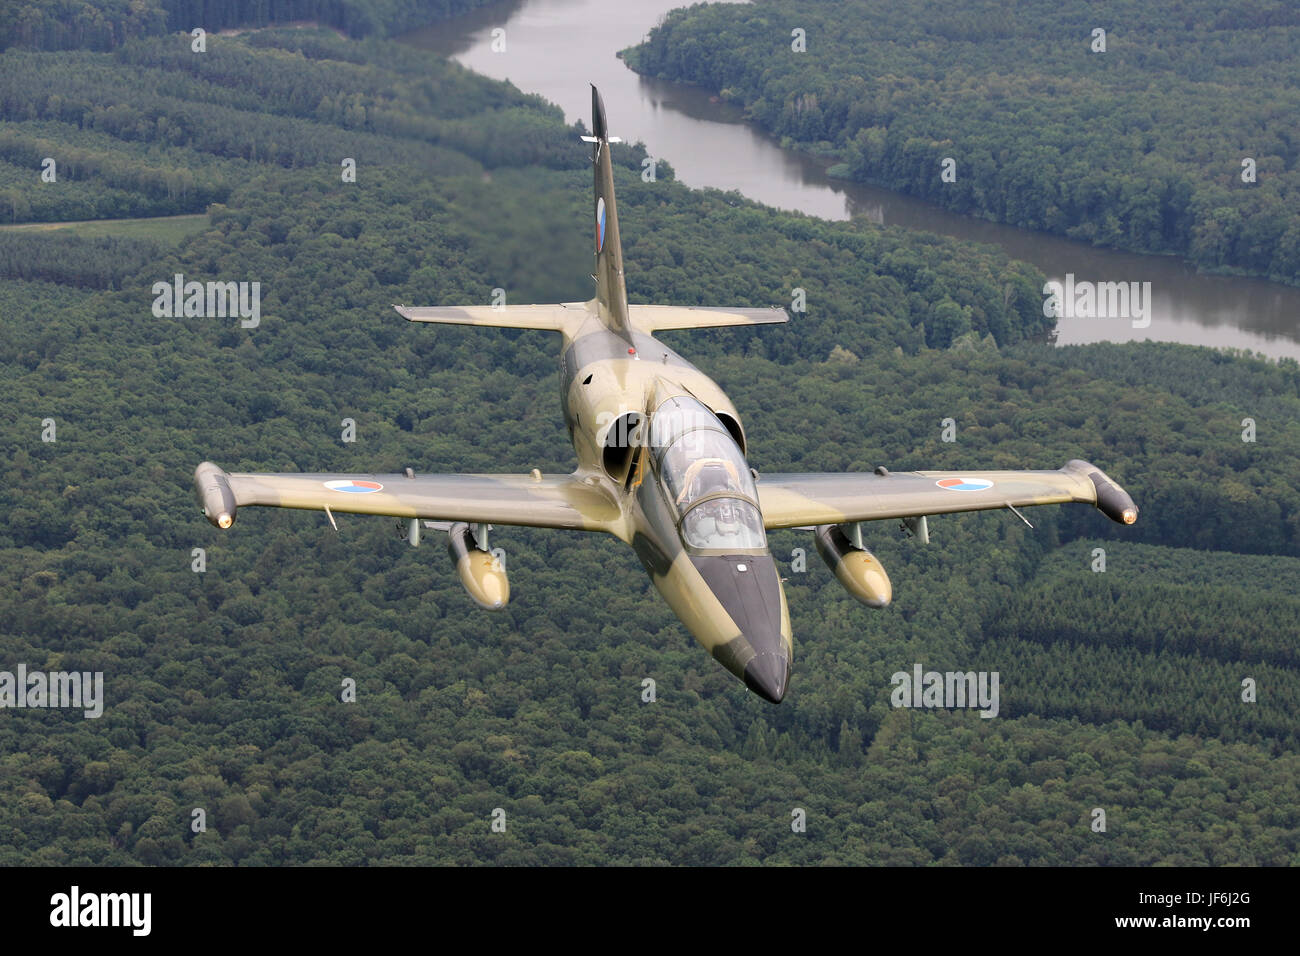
(600, 224)
(353, 486)
(964, 484)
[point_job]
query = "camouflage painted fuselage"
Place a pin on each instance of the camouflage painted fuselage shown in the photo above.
(731, 600)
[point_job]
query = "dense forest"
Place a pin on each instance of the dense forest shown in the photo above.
(156, 129)
(1138, 139)
(1121, 689)
(108, 24)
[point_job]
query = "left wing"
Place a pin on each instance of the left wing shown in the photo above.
(796, 500)
(540, 501)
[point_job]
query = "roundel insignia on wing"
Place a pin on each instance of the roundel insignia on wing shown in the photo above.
(964, 484)
(353, 486)
(600, 224)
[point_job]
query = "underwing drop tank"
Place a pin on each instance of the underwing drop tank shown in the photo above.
(481, 572)
(856, 568)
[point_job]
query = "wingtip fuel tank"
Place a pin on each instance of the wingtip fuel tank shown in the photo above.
(215, 494)
(1112, 500)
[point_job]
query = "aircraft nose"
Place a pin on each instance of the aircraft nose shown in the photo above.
(768, 675)
(748, 588)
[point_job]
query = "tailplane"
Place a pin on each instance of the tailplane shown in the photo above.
(611, 293)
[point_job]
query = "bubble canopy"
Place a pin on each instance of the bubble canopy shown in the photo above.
(706, 478)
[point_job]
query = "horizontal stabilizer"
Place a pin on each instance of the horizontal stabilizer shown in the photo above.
(652, 318)
(554, 318)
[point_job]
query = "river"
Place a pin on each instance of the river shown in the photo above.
(556, 48)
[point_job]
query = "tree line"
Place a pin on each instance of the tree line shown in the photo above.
(108, 24)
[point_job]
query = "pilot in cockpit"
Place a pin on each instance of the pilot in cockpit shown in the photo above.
(705, 476)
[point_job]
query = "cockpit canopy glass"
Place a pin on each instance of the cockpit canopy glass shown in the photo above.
(724, 524)
(706, 477)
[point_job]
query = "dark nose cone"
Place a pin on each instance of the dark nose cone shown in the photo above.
(768, 676)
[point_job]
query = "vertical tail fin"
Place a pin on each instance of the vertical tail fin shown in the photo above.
(611, 293)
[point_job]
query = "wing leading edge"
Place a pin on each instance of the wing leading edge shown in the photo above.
(540, 501)
(796, 500)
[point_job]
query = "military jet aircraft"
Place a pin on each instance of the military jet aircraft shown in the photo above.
(662, 467)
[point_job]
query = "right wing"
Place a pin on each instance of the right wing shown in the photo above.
(544, 501)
